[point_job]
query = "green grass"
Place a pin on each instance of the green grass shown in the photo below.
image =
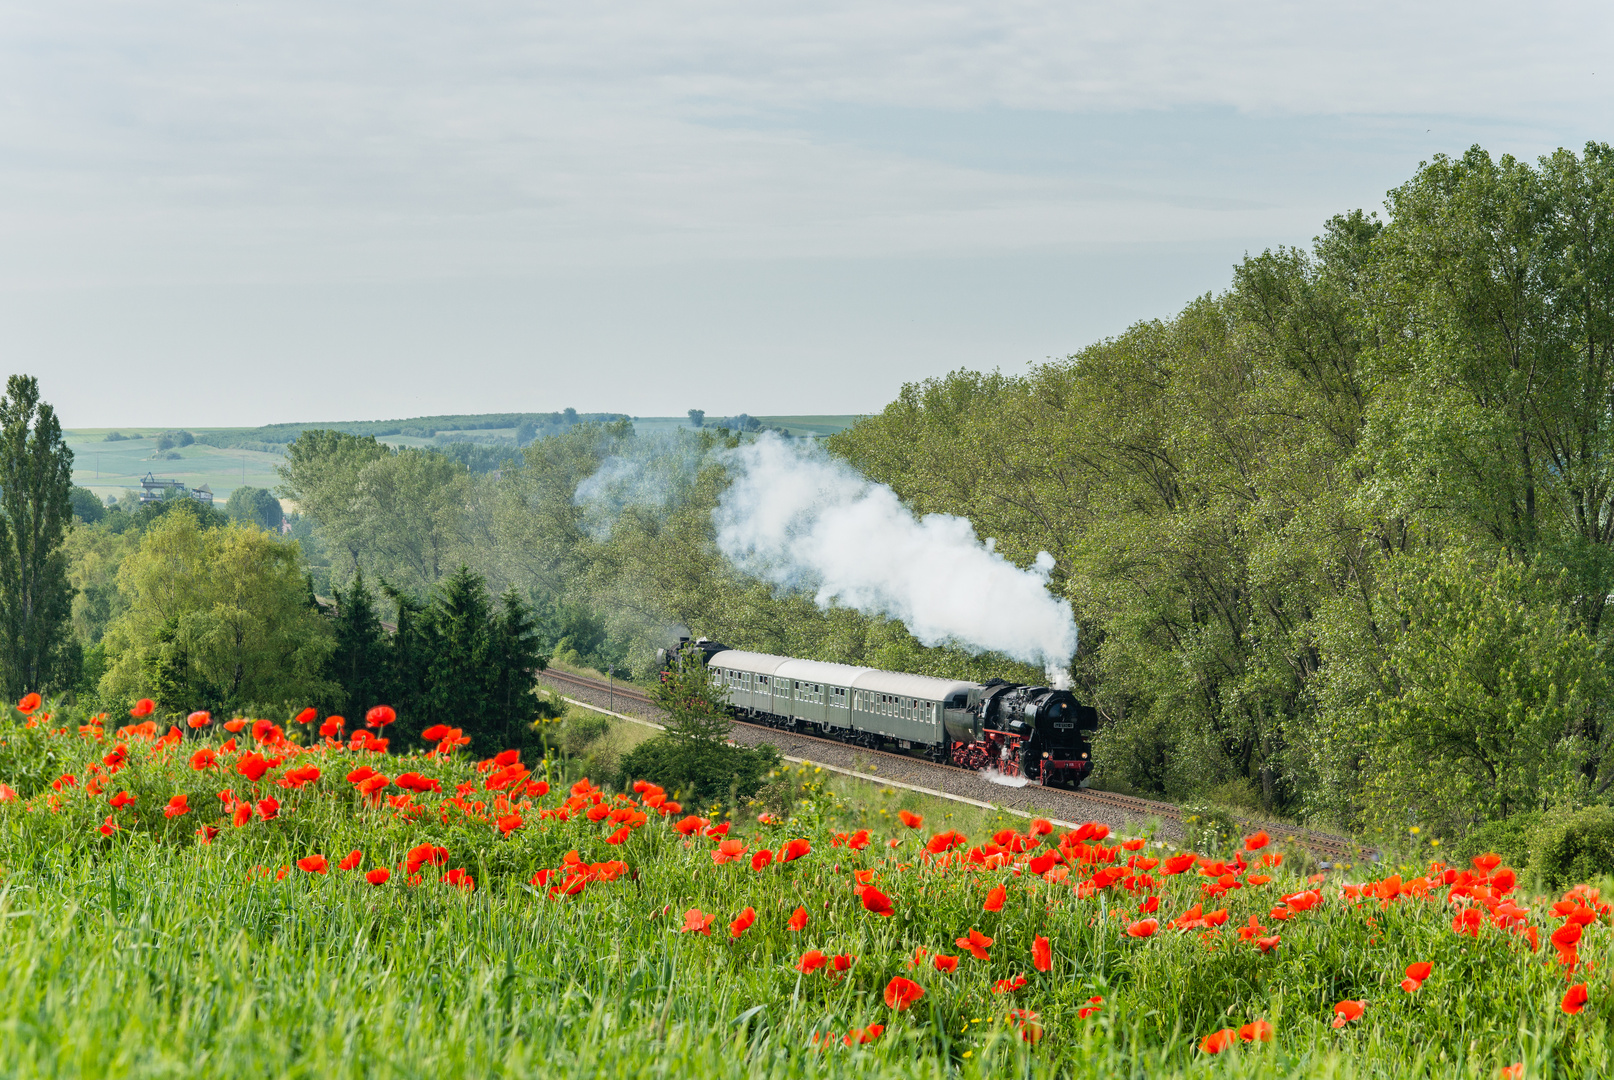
(146, 953)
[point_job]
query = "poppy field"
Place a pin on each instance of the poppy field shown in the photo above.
(257, 899)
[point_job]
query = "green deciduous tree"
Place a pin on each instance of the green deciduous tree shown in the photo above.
(254, 506)
(36, 479)
(219, 619)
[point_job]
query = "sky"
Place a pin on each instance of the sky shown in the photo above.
(242, 213)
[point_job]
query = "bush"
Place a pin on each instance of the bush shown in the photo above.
(699, 771)
(1573, 845)
(1509, 837)
(1209, 828)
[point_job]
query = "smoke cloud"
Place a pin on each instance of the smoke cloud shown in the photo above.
(799, 518)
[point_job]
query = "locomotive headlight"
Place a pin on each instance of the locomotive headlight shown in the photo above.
(1084, 757)
(1045, 753)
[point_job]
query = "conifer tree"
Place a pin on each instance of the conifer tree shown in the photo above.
(36, 483)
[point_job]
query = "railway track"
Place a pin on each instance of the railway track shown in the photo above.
(1117, 808)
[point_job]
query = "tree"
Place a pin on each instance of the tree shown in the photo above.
(359, 662)
(36, 480)
(692, 702)
(87, 505)
(219, 619)
(255, 506)
(697, 417)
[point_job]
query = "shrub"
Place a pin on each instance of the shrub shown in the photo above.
(1509, 837)
(700, 771)
(1573, 845)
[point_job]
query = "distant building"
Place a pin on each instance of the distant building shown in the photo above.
(155, 490)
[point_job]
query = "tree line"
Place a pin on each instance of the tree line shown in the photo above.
(1340, 538)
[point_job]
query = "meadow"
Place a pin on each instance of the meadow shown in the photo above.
(192, 896)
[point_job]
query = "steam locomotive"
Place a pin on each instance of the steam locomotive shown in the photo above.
(1043, 735)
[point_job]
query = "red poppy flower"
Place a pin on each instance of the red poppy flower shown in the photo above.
(798, 919)
(110, 826)
(206, 833)
(143, 707)
(378, 876)
(1042, 954)
(944, 963)
(995, 898)
(620, 836)
(203, 759)
(697, 922)
(314, 864)
(458, 878)
(1256, 842)
(1574, 999)
(901, 993)
(1267, 944)
(509, 824)
(1348, 1010)
(1143, 928)
(179, 804)
(761, 859)
(332, 727)
(976, 942)
(1094, 1004)
(795, 849)
(435, 733)
(241, 815)
(1008, 986)
(1487, 862)
(1258, 1031)
(946, 841)
(863, 1035)
(742, 922)
(352, 861)
(29, 703)
(729, 851)
(120, 800)
(913, 821)
(1513, 1072)
(269, 808)
(307, 716)
(252, 766)
(1178, 863)
(877, 902)
(1150, 905)
(1217, 1041)
(811, 961)
(234, 726)
(380, 716)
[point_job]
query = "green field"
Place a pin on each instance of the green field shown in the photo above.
(111, 469)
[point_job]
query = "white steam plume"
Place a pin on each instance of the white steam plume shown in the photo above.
(797, 517)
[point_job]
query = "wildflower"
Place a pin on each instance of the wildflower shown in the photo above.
(1348, 1010)
(695, 921)
(120, 800)
(268, 808)
(795, 849)
(352, 861)
(995, 898)
(462, 880)
(901, 993)
(944, 842)
(742, 922)
(863, 1035)
(378, 876)
(234, 726)
(729, 851)
(945, 964)
(913, 821)
(811, 961)
(877, 902)
(142, 708)
(307, 716)
(1008, 986)
(1217, 1041)
(203, 759)
(331, 728)
(976, 943)
(1514, 1071)
(380, 716)
(1029, 1030)
(110, 826)
(1143, 928)
(761, 859)
(241, 815)
(1416, 974)
(1178, 863)
(1267, 944)
(206, 833)
(314, 864)
(252, 766)
(1256, 842)
(179, 804)
(1574, 998)
(1042, 954)
(1258, 1031)
(7, 793)
(29, 703)
(1094, 1004)
(798, 919)
(509, 824)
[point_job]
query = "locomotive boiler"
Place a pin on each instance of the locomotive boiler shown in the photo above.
(1014, 729)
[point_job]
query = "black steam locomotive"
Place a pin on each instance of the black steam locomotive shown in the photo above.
(1016, 730)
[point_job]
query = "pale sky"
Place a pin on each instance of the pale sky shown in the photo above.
(241, 213)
